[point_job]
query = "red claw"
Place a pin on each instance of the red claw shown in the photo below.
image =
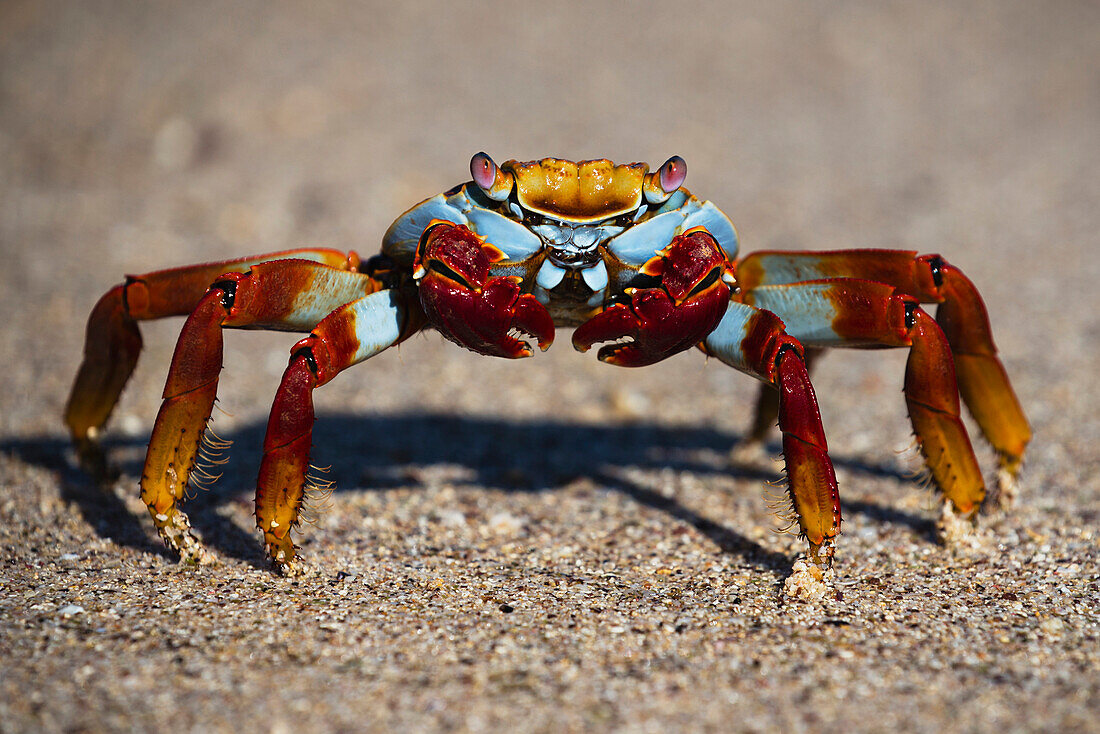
(667, 319)
(468, 306)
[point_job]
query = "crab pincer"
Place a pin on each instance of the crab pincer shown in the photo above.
(679, 312)
(470, 307)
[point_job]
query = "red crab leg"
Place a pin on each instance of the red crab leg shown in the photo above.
(349, 335)
(851, 312)
(766, 411)
(678, 313)
(754, 341)
(279, 294)
(962, 315)
(112, 341)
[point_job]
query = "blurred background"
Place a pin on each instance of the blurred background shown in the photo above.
(140, 135)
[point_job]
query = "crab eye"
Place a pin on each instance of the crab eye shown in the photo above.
(661, 184)
(673, 173)
(493, 182)
(483, 170)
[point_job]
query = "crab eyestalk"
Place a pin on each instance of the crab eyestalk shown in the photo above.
(493, 182)
(665, 181)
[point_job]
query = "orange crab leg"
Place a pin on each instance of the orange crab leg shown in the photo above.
(754, 341)
(348, 336)
(851, 312)
(983, 382)
(280, 294)
(113, 342)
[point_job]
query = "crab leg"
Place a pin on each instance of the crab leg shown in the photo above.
(280, 294)
(983, 382)
(854, 313)
(766, 412)
(349, 335)
(113, 342)
(754, 341)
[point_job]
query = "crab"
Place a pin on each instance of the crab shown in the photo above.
(628, 257)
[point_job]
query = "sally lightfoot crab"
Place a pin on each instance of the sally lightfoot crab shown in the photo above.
(628, 257)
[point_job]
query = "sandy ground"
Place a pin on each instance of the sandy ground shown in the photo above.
(555, 544)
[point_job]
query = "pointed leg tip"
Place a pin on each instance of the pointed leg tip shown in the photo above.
(198, 556)
(821, 554)
(285, 559)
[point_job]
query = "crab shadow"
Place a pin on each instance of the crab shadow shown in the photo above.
(378, 453)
